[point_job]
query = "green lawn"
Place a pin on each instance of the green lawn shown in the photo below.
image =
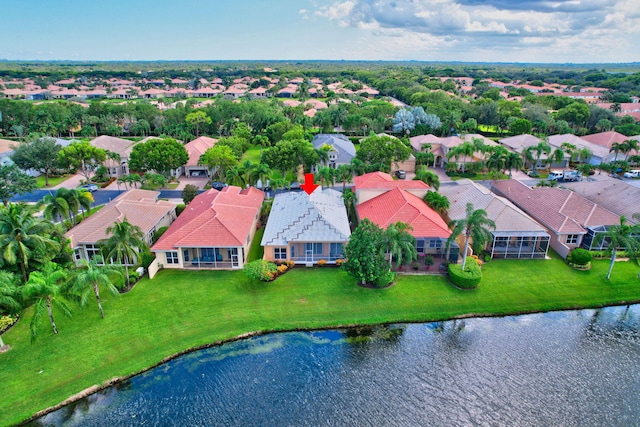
(253, 154)
(52, 180)
(181, 310)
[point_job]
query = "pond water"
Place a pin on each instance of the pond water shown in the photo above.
(571, 368)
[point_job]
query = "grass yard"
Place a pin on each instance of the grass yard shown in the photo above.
(180, 310)
(253, 154)
(52, 180)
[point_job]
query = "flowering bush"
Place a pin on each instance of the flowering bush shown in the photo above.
(339, 262)
(282, 268)
(322, 263)
(261, 269)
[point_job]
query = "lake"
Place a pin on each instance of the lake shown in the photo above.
(570, 368)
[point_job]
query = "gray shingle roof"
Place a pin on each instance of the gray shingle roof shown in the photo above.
(340, 143)
(298, 217)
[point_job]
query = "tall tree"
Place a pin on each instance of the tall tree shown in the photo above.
(13, 182)
(474, 226)
(623, 236)
(24, 237)
(89, 277)
(365, 254)
(56, 207)
(9, 295)
(428, 177)
(124, 245)
(219, 159)
(159, 155)
(82, 156)
(40, 154)
(344, 174)
(46, 289)
(197, 119)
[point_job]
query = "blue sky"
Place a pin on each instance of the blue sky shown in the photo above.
(578, 31)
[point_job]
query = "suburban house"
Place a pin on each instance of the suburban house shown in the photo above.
(139, 207)
(213, 232)
(571, 220)
(440, 147)
(516, 234)
(599, 153)
(121, 147)
(607, 139)
(418, 143)
(385, 201)
(341, 149)
(195, 149)
(307, 228)
(617, 196)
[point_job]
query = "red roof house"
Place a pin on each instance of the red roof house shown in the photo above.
(214, 231)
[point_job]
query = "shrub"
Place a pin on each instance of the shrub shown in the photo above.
(6, 322)
(580, 256)
(282, 268)
(428, 260)
(385, 279)
(260, 269)
(339, 262)
(415, 265)
(158, 233)
(146, 259)
(179, 209)
(322, 263)
(487, 258)
(467, 279)
(291, 263)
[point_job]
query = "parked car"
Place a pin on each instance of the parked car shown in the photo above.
(218, 185)
(294, 186)
(89, 187)
(632, 174)
(565, 175)
(400, 174)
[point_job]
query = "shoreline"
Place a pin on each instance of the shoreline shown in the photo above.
(115, 380)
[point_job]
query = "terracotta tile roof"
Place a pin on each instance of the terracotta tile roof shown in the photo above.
(560, 210)
(6, 145)
(139, 207)
(418, 141)
(117, 145)
(197, 147)
(384, 181)
(399, 205)
(605, 139)
(214, 218)
(519, 143)
(615, 195)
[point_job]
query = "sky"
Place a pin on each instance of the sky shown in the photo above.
(541, 31)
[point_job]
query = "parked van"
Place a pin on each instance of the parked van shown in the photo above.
(555, 175)
(632, 174)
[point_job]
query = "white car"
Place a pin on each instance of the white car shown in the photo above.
(89, 187)
(632, 174)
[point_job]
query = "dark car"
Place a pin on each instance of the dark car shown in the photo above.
(89, 187)
(218, 185)
(400, 174)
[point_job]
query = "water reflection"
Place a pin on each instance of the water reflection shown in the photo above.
(570, 368)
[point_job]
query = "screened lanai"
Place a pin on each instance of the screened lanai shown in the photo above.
(520, 244)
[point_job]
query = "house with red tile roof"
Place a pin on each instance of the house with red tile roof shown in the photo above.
(398, 205)
(195, 149)
(139, 207)
(571, 220)
(373, 184)
(213, 232)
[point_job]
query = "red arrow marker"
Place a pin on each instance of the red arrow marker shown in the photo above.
(309, 184)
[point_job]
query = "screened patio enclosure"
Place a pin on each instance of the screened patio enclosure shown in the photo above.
(212, 257)
(520, 244)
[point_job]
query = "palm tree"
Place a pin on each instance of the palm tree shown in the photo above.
(621, 236)
(557, 156)
(326, 175)
(542, 148)
(261, 172)
(398, 243)
(9, 298)
(344, 174)
(135, 180)
(628, 146)
(89, 277)
(616, 147)
(85, 199)
(513, 161)
(24, 236)
(46, 288)
(428, 177)
(56, 207)
(498, 160)
(235, 176)
(474, 226)
(437, 202)
(248, 171)
(75, 200)
(125, 243)
(466, 150)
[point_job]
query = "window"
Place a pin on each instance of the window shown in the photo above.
(293, 251)
(172, 258)
(572, 239)
(280, 253)
(76, 255)
(185, 255)
(92, 250)
(336, 250)
(420, 244)
(314, 248)
(435, 243)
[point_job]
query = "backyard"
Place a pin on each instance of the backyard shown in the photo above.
(181, 310)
